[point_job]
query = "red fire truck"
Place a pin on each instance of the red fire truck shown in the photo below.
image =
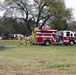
(49, 36)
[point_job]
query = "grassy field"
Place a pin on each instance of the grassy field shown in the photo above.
(37, 60)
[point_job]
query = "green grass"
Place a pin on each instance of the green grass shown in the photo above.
(20, 58)
(9, 42)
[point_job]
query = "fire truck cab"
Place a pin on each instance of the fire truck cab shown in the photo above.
(66, 37)
(49, 36)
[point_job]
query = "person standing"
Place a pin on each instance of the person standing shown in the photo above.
(25, 41)
(19, 40)
(30, 40)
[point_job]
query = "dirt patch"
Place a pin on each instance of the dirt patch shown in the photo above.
(33, 72)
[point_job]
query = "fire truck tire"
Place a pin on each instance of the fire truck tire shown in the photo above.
(71, 43)
(47, 43)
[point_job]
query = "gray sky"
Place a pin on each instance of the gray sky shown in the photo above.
(69, 4)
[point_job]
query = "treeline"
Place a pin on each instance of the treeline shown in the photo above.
(21, 16)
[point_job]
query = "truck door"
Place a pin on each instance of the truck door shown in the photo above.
(59, 37)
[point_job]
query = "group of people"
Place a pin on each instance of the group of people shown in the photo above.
(25, 41)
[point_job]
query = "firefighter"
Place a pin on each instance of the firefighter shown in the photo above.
(30, 41)
(25, 41)
(32, 38)
(19, 40)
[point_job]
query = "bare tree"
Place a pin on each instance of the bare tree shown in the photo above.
(19, 9)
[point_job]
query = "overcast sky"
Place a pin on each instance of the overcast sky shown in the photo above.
(69, 4)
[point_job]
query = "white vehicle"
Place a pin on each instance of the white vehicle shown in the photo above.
(18, 35)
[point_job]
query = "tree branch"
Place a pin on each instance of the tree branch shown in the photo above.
(45, 21)
(39, 14)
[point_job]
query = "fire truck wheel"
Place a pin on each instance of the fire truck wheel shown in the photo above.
(47, 43)
(71, 43)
